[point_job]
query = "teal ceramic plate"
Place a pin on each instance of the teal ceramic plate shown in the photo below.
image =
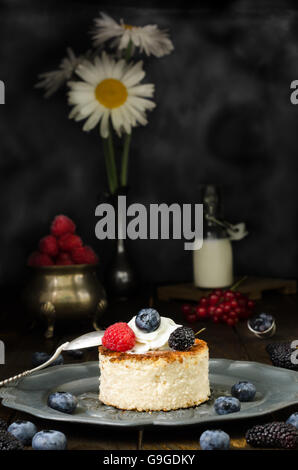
(276, 389)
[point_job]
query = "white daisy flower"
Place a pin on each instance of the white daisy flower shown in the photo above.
(110, 89)
(149, 39)
(52, 81)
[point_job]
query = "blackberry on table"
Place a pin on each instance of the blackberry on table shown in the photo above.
(182, 338)
(276, 434)
(280, 355)
(9, 442)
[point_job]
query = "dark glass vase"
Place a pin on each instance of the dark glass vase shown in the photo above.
(121, 276)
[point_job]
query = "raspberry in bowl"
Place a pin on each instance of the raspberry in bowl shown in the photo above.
(63, 285)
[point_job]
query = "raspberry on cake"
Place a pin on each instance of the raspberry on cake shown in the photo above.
(119, 337)
(151, 375)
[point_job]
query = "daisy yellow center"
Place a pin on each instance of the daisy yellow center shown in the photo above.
(128, 26)
(111, 93)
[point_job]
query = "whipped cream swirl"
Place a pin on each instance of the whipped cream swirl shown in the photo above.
(157, 339)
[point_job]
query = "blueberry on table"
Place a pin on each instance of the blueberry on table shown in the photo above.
(214, 440)
(39, 358)
(23, 430)
(244, 391)
(148, 320)
(226, 405)
(49, 440)
(293, 419)
(62, 401)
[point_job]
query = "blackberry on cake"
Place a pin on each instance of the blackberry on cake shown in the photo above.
(182, 339)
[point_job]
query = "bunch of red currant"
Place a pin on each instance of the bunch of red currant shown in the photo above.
(221, 306)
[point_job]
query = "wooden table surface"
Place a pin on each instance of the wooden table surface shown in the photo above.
(224, 342)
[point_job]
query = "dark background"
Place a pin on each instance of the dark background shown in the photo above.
(223, 115)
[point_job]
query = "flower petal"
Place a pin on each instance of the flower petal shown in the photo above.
(142, 90)
(93, 119)
(104, 125)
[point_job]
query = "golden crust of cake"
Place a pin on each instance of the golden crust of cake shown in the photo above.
(167, 355)
(191, 404)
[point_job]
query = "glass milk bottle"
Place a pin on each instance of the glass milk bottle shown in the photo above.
(213, 263)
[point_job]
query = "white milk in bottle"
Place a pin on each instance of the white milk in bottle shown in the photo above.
(213, 263)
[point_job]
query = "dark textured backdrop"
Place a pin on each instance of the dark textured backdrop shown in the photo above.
(223, 116)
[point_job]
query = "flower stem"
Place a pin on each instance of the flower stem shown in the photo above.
(125, 158)
(108, 166)
(128, 50)
(127, 138)
(112, 160)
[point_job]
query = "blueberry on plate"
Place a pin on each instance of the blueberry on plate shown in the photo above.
(244, 391)
(226, 405)
(23, 430)
(39, 358)
(214, 440)
(293, 419)
(62, 401)
(49, 440)
(148, 320)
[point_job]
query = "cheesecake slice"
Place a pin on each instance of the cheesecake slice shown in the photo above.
(159, 380)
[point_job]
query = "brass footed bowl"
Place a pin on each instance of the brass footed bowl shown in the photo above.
(64, 293)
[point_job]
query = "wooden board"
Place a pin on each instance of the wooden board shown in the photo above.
(252, 286)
